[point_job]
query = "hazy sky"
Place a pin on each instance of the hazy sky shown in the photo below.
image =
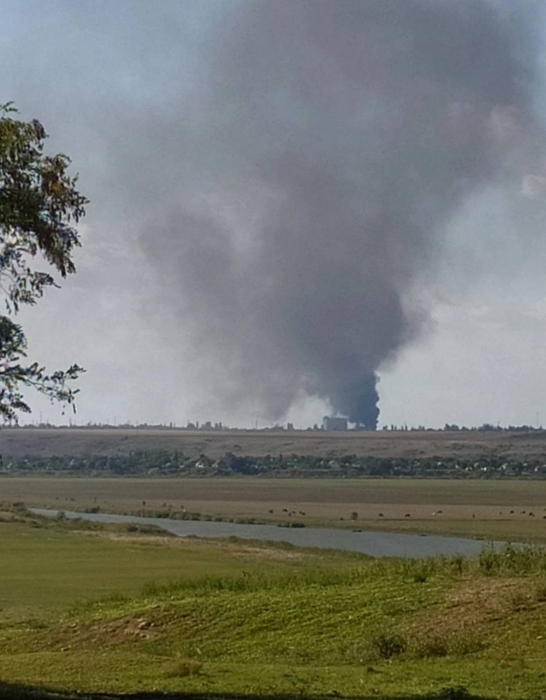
(135, 92)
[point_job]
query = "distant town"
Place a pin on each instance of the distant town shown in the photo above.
(329, 424)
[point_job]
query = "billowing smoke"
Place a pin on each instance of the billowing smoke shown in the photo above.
(328, 145)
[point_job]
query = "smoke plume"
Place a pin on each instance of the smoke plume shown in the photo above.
(326, 148)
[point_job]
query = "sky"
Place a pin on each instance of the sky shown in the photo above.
(236, 153)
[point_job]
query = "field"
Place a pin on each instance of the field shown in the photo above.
(109, 612)
(122, 615)
(509, 510)
(49, 565)
(49, 442)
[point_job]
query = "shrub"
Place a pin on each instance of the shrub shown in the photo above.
(184, 668)
(512, 559)
(431, 645)
(435, 643)
(92, 509)
(420, 577)
(457, 692)
(387, 644)
(19, 507)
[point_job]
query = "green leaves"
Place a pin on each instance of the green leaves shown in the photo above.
(14, 375)
(39, 205)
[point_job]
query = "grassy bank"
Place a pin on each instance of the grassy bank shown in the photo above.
(47, 565)
(242, 619)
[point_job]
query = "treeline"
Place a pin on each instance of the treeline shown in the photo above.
(175, 463)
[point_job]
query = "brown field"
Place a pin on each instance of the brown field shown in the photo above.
(76, 441)
(482, 508)
(488, 509)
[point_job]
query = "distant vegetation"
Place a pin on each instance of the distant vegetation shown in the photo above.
(175, 463)
(209, 426)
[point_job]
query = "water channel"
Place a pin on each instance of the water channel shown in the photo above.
(376, 544)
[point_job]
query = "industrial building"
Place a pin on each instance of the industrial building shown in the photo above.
(334, 423)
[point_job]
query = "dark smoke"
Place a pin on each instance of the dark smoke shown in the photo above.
(328, 146)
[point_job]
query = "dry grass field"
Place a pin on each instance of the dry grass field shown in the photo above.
(511, 510)
(493, 509)
(17, 442)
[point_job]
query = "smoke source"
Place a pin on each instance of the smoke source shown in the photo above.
(309, 183)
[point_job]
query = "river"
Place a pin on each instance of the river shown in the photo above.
(376, 544)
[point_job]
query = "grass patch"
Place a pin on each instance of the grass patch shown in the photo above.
(182, 668)
(224, 619)
(49, 565)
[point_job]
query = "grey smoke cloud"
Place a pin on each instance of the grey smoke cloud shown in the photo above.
(294, 204)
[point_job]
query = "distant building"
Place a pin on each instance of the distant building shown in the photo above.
(334, 423)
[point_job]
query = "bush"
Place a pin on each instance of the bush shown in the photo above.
(184, 668)
(385, 645)
(432, 644)
(512, 560)
(457, 692)
(19, 507)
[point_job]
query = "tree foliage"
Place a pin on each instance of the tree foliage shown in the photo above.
(39, 207)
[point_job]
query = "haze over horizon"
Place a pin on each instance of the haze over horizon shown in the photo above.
(286, 200)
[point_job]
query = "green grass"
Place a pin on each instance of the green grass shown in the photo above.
(120, 613)
(46, 566)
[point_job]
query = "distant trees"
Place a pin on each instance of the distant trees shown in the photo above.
(174, 463)
(39, 205)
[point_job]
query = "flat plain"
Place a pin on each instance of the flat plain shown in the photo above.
(507, 509)
(490, 509)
